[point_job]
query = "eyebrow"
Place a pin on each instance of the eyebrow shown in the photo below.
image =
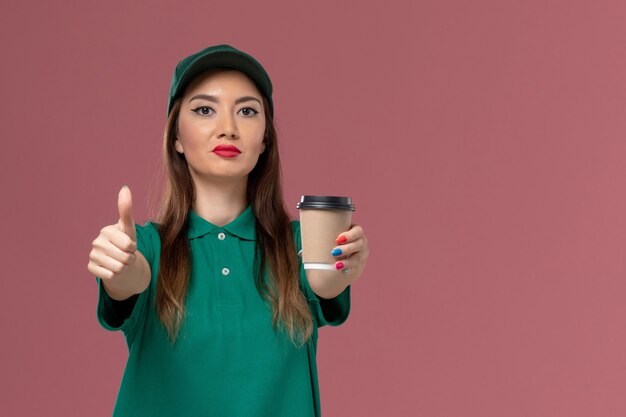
(215, 100)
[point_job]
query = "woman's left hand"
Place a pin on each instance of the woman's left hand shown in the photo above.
(351, 252)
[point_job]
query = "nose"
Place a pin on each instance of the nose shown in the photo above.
(227, 126)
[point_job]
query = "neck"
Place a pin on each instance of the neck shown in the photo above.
(220, 202)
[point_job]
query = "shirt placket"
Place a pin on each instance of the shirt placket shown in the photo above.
(225, 268)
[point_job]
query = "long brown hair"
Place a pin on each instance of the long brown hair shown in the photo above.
(274, 245)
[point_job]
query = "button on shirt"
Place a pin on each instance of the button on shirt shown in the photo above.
(228, 360)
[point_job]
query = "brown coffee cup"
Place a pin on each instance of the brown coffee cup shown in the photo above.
(322, 219)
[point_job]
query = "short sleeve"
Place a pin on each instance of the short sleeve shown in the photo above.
(126, 315)
(332, 311)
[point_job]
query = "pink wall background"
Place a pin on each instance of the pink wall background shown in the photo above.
(482, 143)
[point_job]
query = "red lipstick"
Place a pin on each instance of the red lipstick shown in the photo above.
(228, 151)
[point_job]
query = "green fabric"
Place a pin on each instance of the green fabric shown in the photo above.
(228, 361)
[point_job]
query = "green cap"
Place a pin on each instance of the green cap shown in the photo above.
(219, 56)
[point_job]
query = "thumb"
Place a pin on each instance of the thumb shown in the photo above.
(125, 207)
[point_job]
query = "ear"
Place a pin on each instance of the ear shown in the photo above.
(262, 147)
(179, 146)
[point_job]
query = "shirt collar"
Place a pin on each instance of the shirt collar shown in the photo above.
(243, 226)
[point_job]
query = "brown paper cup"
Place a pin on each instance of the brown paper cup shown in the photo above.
(322, 219)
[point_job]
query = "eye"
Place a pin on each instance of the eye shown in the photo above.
(247, 111)
(204, 110)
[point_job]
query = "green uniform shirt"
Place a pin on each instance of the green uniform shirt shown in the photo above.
(227, 361)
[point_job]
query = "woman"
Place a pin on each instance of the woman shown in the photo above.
(215, 305)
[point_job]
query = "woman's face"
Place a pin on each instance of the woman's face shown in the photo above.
(221, 107)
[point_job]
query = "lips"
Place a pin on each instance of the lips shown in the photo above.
(226, 148)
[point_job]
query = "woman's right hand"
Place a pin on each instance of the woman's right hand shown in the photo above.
(114, 257)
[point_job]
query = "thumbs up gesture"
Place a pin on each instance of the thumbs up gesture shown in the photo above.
(114, 255)
(126, 224)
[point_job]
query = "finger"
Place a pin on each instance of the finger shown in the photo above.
(125, 208)
(348, 249)
(99, 271)
(355, 232)
(119, 245)
(110, 263)
(343, 265)
(124, 256)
